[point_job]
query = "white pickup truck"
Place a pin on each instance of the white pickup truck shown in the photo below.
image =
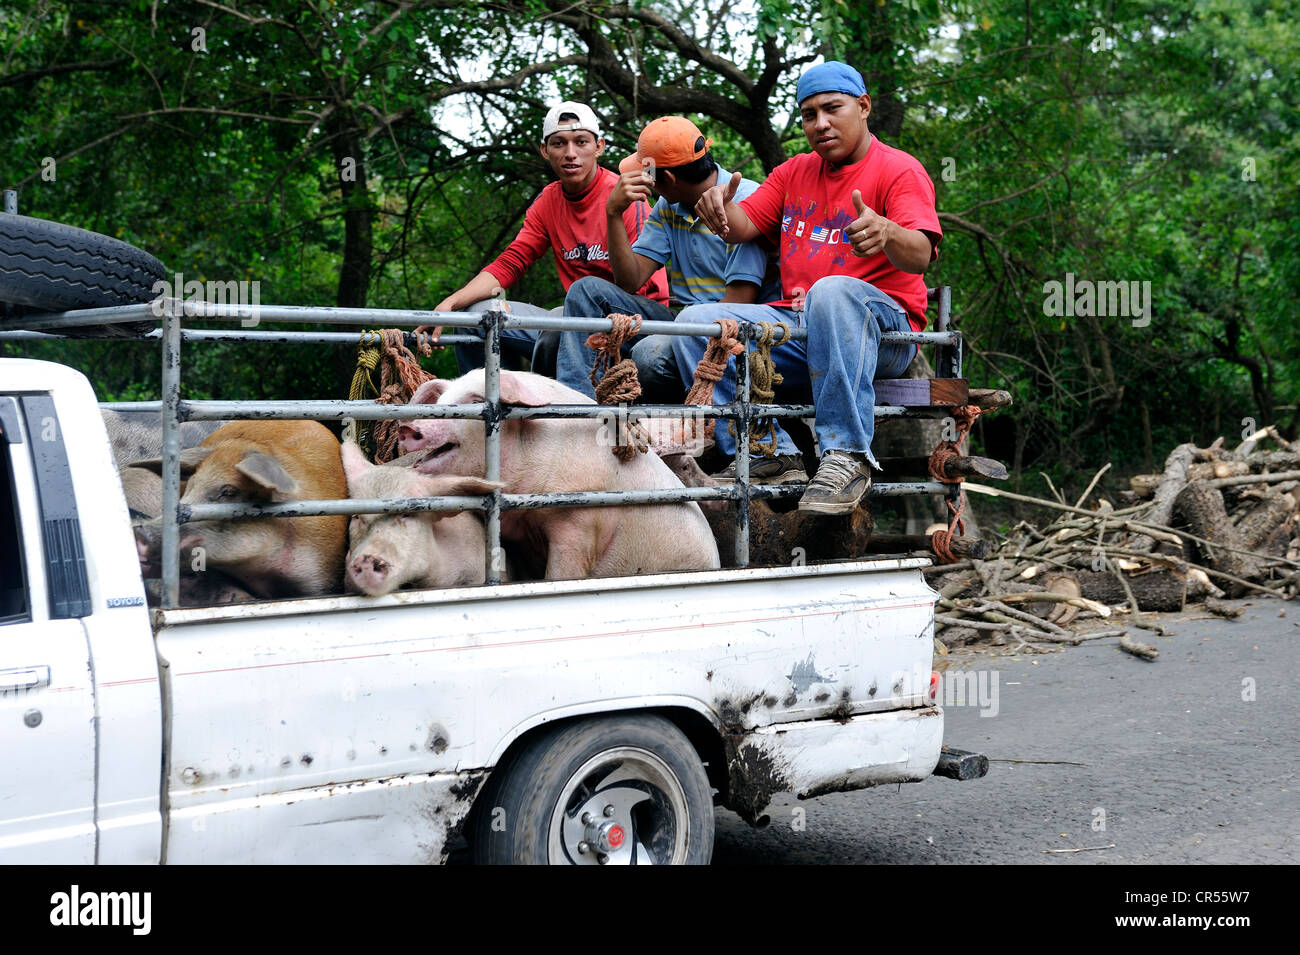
(586, 721)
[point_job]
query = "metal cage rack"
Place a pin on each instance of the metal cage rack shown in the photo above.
(174, 409)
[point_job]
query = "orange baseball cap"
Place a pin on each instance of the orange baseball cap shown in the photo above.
(670, 141)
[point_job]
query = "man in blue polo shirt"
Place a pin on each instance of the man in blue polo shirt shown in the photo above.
(673, 156)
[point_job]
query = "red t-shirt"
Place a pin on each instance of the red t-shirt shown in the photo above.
(574, 230)
(806, 205)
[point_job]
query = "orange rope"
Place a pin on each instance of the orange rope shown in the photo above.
(400, 377)
(940, 541)
(712, 366)
(615, 378)
(945, 451)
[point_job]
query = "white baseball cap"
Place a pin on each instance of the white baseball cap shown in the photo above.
(586, 120)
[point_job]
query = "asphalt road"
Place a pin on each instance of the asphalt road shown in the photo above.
(1171, 759)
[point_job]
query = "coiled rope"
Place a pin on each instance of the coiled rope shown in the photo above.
(400, 376)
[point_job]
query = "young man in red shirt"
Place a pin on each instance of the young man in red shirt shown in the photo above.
(568, 218)
(856, 227)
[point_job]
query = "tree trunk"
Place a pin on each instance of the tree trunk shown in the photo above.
(358, 216)
(1260, 525)
(1172, 482)
(1201, 506)
(873, 35)
(1162, 589)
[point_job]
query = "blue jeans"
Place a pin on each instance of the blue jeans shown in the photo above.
(516, 343)
(592, 297)
(842, 355)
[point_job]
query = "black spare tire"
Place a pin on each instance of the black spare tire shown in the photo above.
(51, 267)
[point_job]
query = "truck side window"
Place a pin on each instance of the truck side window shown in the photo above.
(13, 579)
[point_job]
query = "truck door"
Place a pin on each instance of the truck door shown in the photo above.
(47, 695)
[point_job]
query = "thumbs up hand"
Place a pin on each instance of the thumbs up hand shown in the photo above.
(869, 232)
(712, 206)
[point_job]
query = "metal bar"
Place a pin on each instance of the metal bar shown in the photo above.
(171, 463)
(385, 317)
(492, 322)
(369, 411)
(321, 410)
(350, 506)
(218, 335)
(632, 412)
(903, 488)
(11, 202)
(743, 424)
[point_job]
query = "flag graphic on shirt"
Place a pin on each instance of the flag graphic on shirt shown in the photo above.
(819, 234)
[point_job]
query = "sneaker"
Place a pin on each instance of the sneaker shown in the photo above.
(842, 480)
(782, 469)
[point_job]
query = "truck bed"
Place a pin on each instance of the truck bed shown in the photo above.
(403, 703)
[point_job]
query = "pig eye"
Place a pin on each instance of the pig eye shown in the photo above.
(228, 492)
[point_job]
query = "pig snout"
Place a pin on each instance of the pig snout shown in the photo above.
(411, 437)
(370, 575)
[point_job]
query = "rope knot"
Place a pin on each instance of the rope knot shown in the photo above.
(712, 366)
(763, 382)
(944, 452)
(615, 378)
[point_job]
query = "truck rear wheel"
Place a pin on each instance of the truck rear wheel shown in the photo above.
(625, 790)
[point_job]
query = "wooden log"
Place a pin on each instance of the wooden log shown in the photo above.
(1144, 485)
(1163, 589)
(922, 392)
(1201, 506)
(1262, 522)
(1172, 481)
(966, 465)
(954, 635)
(961, 547)
(1208, 470)
(989, 399)
(1137, 648)
(1279, 477)
(1273, 461)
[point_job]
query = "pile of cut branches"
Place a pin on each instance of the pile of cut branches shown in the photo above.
(1215, 523)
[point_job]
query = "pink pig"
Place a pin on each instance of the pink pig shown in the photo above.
(387, 552)
(552, 455)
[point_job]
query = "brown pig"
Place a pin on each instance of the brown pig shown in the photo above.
(143, 491)
(418, 549)
(262, 462)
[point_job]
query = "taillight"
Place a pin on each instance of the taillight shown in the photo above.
(934, 685)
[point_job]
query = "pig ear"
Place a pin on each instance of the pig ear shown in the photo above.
(354, 460)
(190, 459)
(429, 392)
(518, 389)
(266, 471)
(456, 485)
